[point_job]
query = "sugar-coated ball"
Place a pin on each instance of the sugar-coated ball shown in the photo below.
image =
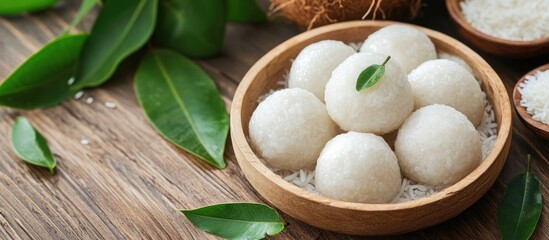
(358, 167)
(438, 145)
(290, 128)
(313, 67)
(379, 109)
(407, 45)
(446, 82)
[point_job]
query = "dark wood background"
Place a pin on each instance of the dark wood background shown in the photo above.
(128, 182)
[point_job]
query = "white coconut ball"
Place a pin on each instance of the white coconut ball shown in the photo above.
(458, 60)
(313, 67)
(407, 45)
(446, 82)
(438, 145)
(290, 128)
(379, 109)
(358, 167)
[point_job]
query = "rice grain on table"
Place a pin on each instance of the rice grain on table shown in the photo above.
(78, 95)
(110, 105)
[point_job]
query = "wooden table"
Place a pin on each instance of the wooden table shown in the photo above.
(129, 182)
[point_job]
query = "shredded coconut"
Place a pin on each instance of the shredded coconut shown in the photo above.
(535, 95)
(508, 19)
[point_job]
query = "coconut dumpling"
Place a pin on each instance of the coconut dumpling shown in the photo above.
(407, 45)
(313, 67)
(379, 109)
(456, 59)
(358, 167)
(290, 128)
(438, 145)
(446, 82)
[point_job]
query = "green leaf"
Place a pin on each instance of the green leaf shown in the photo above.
(520, 208)
(14, 7)
(121, 28)
(371, 75)
(244, 11)
(85, 7)
(237, 220)
(30, 145)
(194, 28)
(183, 104)
(42, 80)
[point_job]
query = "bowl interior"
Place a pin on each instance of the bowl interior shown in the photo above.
(537, 127)
(454, 9)
(264, 76)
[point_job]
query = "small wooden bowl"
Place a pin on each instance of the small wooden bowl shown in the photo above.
(360, 218)
(536, 127)
(494, 45)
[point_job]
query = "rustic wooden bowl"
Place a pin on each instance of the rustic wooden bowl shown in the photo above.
(536, 127)
(494, 45)
(359, 218)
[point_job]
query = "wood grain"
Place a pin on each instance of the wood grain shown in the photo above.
(128, 183)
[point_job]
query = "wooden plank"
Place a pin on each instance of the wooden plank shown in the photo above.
(128, 182)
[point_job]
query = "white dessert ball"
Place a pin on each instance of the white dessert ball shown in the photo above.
(290, 128)
(407, 45)
(458, 60)
(446, 82)
(358, 167)
(379, 109)
(438, 145)
(313, 67)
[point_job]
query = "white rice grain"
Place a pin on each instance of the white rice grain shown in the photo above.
(110, 105)
(78, 95)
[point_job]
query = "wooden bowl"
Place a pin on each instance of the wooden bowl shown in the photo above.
(360, 218)
(536, 127)
(494, 45)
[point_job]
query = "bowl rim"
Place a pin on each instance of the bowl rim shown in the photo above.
(237, 129)
(456, 14)
(517, 96)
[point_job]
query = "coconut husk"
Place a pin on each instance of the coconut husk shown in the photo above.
(314, 13)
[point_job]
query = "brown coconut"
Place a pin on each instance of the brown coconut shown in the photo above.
(314, 13)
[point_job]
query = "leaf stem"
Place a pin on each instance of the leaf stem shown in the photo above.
(528, 162)
(386, 60)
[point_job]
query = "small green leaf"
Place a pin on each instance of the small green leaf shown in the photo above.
(244, 11)
(121, 28)
(42, 80)
(194, 28)
(85, 7)
(14, 7)
(520, 208)
(237, 220)
(30, 145)
(183, 104)
(371, 75)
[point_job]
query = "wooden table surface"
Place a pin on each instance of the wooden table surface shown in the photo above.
(128, 182)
